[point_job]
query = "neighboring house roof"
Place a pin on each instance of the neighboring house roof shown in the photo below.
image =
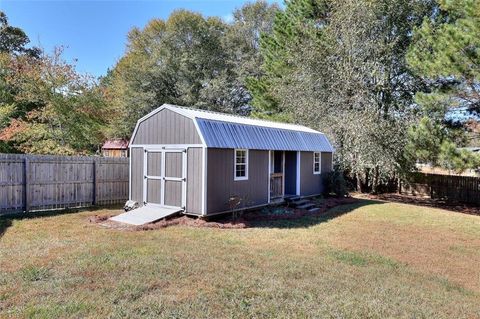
(220, 130)
(115, 144)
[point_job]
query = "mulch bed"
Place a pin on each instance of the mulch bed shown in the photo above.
(298, 213)
(248, 219)
(424, 201)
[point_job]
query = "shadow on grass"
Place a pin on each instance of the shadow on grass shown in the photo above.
(6, 220)
(312, 220)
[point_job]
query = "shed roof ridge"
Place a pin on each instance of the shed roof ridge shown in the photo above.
(311, 131)
(299, 127)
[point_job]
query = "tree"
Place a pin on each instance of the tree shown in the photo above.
(13, 40)
(339, 66)
(292, 28)
(69, 109)
(189, 60)
(446, 53)
(13, 44)
(179, 61)
(242, 42)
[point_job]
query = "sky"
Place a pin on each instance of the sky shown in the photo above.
(94, 32)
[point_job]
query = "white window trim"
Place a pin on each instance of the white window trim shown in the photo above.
(240, 178)
(319, 163)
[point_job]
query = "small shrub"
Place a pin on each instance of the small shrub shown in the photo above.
(335, 183)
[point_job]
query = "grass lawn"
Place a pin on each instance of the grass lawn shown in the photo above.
(375, 260)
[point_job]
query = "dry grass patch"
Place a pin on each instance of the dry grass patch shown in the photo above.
(429, 240)
(358, 261)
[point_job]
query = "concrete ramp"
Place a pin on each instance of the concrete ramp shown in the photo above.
(144, 215)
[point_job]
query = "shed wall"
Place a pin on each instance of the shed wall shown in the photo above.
(194, 178)
(136, 178)
(167, 127)
(312, 184)
(326, 163)
(221, 184)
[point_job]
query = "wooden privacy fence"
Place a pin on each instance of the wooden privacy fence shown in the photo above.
(464, 189)
(33, 182)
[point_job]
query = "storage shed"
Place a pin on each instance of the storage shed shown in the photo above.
(197, 161)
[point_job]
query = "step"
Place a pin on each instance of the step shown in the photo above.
(306, 206)
(291, 198)
(300, 202)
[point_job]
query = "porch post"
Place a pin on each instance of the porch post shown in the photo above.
(269, 173)
(298, 174)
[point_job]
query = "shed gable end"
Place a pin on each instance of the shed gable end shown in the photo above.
(166, 127)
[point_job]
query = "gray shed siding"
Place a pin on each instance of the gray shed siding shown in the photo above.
(221, 184)
(312, 184)
(136, 181)
(326, 162)
(194, 180)
(166, 127)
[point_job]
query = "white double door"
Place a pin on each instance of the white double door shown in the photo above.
(165, 177)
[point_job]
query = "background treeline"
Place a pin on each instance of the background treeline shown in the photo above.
(383, 79)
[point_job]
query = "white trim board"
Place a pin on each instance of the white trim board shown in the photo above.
(235, 177)
(169, 146)
(298, 173)
(204, 180)
(269, 173)
(163, 177)
(319, 163)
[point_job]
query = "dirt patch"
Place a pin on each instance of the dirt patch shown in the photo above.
(99, 218)
(176, 220)
(424, 201)
(226, 221)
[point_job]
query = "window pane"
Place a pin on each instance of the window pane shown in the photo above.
(240, 163)
(240, 172)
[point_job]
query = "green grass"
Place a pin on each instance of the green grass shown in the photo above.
(367, 260)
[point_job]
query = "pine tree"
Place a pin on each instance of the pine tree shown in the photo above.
(298, 21)
(446, 53)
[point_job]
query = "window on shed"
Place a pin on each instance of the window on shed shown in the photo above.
(316, 162)
(241, 165)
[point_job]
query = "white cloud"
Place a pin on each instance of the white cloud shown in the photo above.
(228, 18)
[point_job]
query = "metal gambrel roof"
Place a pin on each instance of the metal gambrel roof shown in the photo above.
(219, 130)
(219, 134)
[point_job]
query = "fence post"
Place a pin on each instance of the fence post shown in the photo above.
(94, 200)
(26, 182)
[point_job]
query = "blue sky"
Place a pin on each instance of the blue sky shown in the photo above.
(94, 32)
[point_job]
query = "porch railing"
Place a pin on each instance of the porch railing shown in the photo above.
(276, 185)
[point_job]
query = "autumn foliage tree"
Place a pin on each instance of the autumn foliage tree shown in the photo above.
(68, 109)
